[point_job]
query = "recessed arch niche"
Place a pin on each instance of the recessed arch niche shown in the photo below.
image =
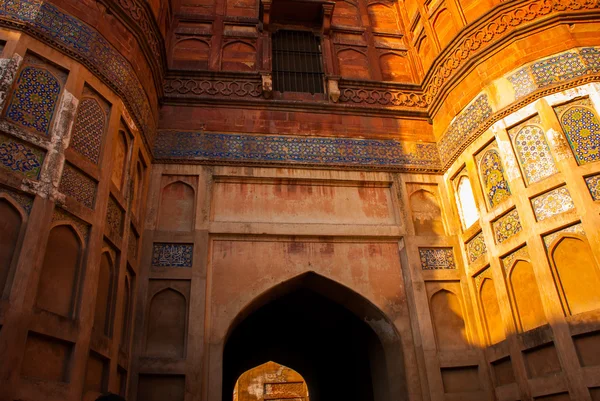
(426, 213)
(11, 224)
(448, 321)
(303, 323)
(177, 207)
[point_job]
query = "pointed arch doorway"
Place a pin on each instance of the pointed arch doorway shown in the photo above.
(342, 345)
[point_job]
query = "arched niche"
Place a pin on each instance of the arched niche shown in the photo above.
(138, 188)
(582, 129)
(120, 157)
(448, 321)
(191, 54)
(105, 296)
(533, 154)
(426, 212)
(270, 381)
(467, 207)
(126, 314)
(576, 274)
(475, 8)
(525, 292)
(60, 276)
(238, 56)
(177, 207)
(491, 312)
(12, 220)
(167, 321)
(426, 51)
(88, 129)
(395, 67)
(444, 26)
(491, 171)
(346, 13)
(304, 323)
(353, 64)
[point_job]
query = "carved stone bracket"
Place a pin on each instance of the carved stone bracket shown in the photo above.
(267, 84)
(333, 88)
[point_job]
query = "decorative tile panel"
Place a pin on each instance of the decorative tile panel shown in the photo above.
(88, 46)
(289, 149)
(476, 248)
(507, 226)
(558, 68)
(114, 217)
(61, 215)
(78, 185)
(89, 128)
(580, 123)
(20, 157)
(34, 99)
(172, 255)
(437, 258)
(533, 152)
(593, 184)
(519, 254)
(552, 203)
(24, 200)
(575, 229)
(522, 82)
(491, 173)
(463, 125)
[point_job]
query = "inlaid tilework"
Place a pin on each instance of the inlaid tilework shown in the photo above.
(519, 254)
(24, 200)
(61, 215)
(288, 149)
(575, 229)
(491, 172)
(34, 99)
(507, 226)
(533, 152)
(465, 124)
(172, 255)
(76, 184)
(522, 82)
(88, 130)
(593, 184)
(20, 157)
(89, 46)
(437, 258)
(476, 248)
(552, 203)
(580, 123)
(114, 217)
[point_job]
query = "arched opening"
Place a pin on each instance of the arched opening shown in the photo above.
(270, 381)
(343, 346)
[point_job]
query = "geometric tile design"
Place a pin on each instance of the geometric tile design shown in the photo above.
(519, 254)
(114, 217)
(552, 203)
(533, 152)
(290, 149)
(76, 184)
(562, 67)
(507, 226)
(18, 156)
(437, 258)
(593, 184)
(465, 123)
(34, 99)
(582, 129)
(522, 82)
(172, 255)
(89, 46)
(575, 229)
(88, 129)
(476, 248)
(24, 200)
(492, 177)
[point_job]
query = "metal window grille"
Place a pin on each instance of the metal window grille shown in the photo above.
(297, 63)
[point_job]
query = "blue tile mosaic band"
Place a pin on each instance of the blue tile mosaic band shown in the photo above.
(182, 145)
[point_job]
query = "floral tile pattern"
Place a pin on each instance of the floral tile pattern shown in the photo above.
(476, 248)
(593, 184)
(437, 258)
(575, 229)
(519, 254)
(552, 203)
(491, 173)
(20, 157)
(581, 125)
(507, 226)
(172, 255)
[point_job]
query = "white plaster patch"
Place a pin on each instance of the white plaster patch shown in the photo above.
(8, 72)
(510, 162)
(569, 94)
(520, 115)
(558, 144)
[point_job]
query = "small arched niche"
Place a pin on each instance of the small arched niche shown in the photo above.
(426, 213)
(467, 208)
(167, 320)
(448, 321)
(270, 381)
(11, 222)
(176, 207)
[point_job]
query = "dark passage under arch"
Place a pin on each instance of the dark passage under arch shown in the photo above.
(318, 328)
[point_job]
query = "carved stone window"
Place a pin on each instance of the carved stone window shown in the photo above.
(297, 63)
